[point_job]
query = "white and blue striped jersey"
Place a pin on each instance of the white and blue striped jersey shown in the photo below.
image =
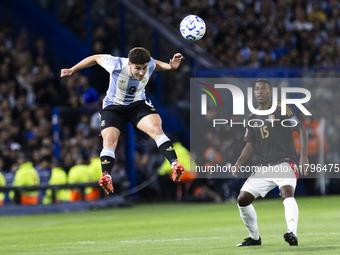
(124, 89)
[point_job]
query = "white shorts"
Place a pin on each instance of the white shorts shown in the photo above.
(258, 186)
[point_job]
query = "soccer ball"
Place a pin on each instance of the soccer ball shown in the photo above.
(192, 28)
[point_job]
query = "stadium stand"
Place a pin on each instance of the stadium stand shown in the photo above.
(254, 34)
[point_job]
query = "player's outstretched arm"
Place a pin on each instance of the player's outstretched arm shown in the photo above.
(173, 63)
(86, 62)
(245, 155)
(303, 162)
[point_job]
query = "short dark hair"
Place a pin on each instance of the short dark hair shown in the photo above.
(264, 81)
(139, 56)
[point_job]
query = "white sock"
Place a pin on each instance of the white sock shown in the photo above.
(291, 214)
(249, 217)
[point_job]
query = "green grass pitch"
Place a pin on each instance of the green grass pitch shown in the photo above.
(175, 228)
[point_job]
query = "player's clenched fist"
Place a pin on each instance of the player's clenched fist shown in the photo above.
(66, 72)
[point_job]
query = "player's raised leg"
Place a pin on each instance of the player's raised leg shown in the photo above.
(249, 217)
(107, 156)
(152, 125)
(291, 214)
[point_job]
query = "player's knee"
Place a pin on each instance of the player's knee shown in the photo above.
(156, 130)
(243, 200)
(286, 192)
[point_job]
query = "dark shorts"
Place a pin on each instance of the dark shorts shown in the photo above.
(117, 115)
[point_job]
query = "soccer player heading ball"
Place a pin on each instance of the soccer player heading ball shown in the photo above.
(125, 101)
(275, 148)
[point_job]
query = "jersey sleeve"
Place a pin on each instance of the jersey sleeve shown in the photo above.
(293, 119)
(152, 64)
(110, 63)
(249, 136)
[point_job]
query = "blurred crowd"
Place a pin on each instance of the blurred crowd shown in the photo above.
(29, 89)
(263, 33)
(253, 34)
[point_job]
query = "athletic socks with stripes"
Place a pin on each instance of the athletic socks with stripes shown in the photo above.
(165, 146)
(107, 158)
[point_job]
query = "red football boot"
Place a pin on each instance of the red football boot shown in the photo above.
(106, 183)
(177, 171)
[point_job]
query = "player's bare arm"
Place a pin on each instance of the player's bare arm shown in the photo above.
(173, 63)
(303, 162)
(86, 62)
(245, 155)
